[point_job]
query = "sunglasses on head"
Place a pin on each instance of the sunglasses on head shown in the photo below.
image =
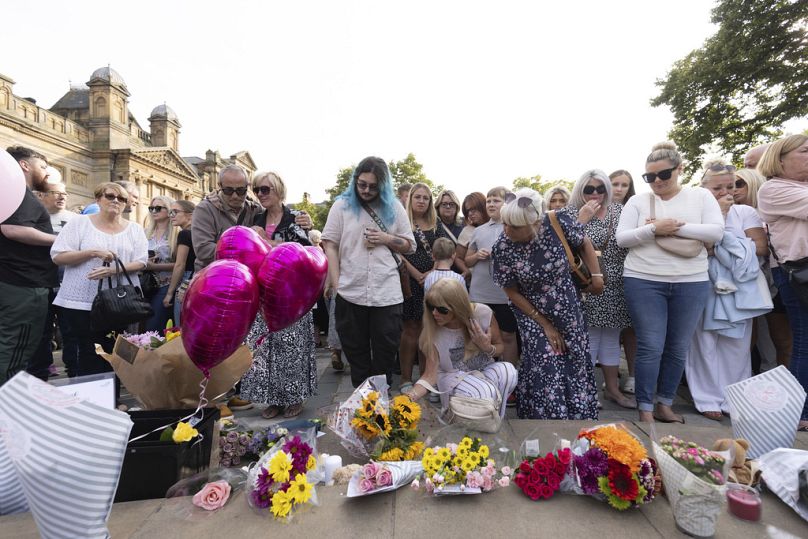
(600, 189)
(240, 191)
(721, 168)
(111, 197)
(263, 190)
(441, 310)
(156, 209)
(666, 174)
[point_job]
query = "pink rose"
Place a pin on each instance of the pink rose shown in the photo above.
(370, 470)
(212, 496)
(384, 477)
(504, 481)
(506, 470)
(366, 485)
(415, 485)
(488, 483)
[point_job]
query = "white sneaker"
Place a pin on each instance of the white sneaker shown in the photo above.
(628, 387)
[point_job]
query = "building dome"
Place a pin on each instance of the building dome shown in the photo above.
(164, 111)
(108, 74)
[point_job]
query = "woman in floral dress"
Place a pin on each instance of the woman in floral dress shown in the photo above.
(556, 376)
(284, 371)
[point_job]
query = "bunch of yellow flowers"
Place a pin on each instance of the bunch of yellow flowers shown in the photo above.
(450, 464)
(394, 433)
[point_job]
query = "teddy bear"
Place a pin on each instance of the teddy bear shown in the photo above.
(743, 471)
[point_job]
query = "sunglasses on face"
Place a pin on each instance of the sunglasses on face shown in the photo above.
(600, 189)
(364, 186)
(173, 213)
(739, 184)
(111, 197)
(156, 209)
(262, 190)
(441, 310)
(240, 191)
(666, 174)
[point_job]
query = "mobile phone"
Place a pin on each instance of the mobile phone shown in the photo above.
(152, 254)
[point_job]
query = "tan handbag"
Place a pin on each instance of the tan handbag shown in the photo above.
(684, 247)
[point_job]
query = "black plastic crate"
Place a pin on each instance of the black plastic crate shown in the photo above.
(150, 466)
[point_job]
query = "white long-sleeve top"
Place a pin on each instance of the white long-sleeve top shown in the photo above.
(77, 291)
(695, 206)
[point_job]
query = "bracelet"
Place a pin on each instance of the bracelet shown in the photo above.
(493, 351)
(596, 274)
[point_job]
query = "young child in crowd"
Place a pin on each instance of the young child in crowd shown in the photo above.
(443, 253)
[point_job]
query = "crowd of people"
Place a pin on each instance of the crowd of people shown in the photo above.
(478, 293)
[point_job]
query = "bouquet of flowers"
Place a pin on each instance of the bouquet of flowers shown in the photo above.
(152, 340)
(375, 477)
(233, 446)
(463, 468)
(694, 479)
(370, 426)
(211, 489)
(610, 463)
(279, 482)
(541, 477)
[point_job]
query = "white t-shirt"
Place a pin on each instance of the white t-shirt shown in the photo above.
(741, 218)
(60, 219)
(697, 207)
(77, 291)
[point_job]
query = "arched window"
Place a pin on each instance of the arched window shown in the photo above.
(100, 107)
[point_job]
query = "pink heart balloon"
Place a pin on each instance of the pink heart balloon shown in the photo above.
(243, 244)
(218, 310)
(12, 185)
(291, 279)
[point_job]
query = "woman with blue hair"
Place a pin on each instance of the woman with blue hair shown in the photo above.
(366, 233)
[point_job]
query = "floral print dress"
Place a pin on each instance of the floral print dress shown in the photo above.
(422, 260)
(550, 386)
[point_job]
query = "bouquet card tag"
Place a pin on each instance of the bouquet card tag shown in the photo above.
(531, 448)
(125, 350)
(456, 490)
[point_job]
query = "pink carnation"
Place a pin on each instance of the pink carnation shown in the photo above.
(488, 483)
(506, 470)
(504, 481)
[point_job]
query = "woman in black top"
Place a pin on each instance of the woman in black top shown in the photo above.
(181, 215)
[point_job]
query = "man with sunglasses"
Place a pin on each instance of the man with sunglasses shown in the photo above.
(27, 273)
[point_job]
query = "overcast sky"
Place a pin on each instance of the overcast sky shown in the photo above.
(481, 92)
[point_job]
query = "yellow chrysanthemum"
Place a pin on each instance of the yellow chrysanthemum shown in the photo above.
(483, 451)
(365, 428)
(462, 451)
(279, 467)
(444, 453)
(468, 465)
(281, 504)
(184, 432)
(465, 442)
(311, 463)
(300, 489)
(428, 452)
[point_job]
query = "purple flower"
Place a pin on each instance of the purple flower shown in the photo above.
(590, 466)
(241, 451)
(225, 462)
(244, 439)
(232, 436)
(260, 499)
(228, 447)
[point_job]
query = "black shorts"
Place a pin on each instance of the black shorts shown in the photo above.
(504, 316)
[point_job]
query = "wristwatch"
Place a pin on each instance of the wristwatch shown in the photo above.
(653, 228)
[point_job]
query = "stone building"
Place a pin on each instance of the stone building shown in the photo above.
(90, 136)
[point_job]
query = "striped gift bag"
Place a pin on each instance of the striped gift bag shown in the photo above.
(66, 454)
(765, 410)
(12, 498)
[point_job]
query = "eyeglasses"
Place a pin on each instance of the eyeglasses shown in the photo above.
(263, 190)
(600, 189)
(666, 174)
(364, 186)
(57, 194)
(448, 205)
(469, 211)
(173, 213)
(739, 184)
(228, 191)
(441, 310)
(156, 209)
(111, 197)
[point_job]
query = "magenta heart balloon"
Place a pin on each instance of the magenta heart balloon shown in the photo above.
(12, 185)
(218, 310)
(243, 244)
(291, 278)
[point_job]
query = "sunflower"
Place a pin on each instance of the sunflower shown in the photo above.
(383, 421)
(300, 489)
(406, 411)
(392, 454)
(366, 429)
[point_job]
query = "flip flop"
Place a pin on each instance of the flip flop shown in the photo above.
(680, 419)
(271, 411)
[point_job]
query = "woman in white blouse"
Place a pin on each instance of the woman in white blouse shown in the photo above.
(666, 292)
(82, 247)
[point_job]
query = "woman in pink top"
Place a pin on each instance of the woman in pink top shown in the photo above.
(783, 205)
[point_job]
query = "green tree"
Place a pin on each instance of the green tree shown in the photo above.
(410, 171)
(744, 83)
(539, 185)
(315, 210)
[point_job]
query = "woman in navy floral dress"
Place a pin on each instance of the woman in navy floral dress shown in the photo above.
(556, 376)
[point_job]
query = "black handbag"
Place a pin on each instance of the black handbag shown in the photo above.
(118, 306)
(149, 284)
(797, 272)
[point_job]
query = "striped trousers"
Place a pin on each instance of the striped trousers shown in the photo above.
(499, 377)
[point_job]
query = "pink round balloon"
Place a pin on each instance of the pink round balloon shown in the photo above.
(243, 244)
(291, 278)
(12, 185)
(217, 312)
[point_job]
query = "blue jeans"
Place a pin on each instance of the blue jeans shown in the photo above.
(161, 314)
(665, 316)
(798, 320)
(178, 304)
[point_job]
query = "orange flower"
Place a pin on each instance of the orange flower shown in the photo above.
(619, 445)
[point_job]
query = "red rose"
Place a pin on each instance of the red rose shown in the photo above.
(546, 491)
(535, 477)
(520, 480)
(550, 460)
(533, 492)
(561, 469)
(525, 466)
(565, 456)
(553, 482)
(540, 466)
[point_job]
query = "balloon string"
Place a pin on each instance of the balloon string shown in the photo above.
(203, 401)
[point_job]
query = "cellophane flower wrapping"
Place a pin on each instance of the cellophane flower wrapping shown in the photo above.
(541, 476)
(610, 463)
(376, 477)
(180, 493)
(694, 480)
(371, 426)
(283, 479)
